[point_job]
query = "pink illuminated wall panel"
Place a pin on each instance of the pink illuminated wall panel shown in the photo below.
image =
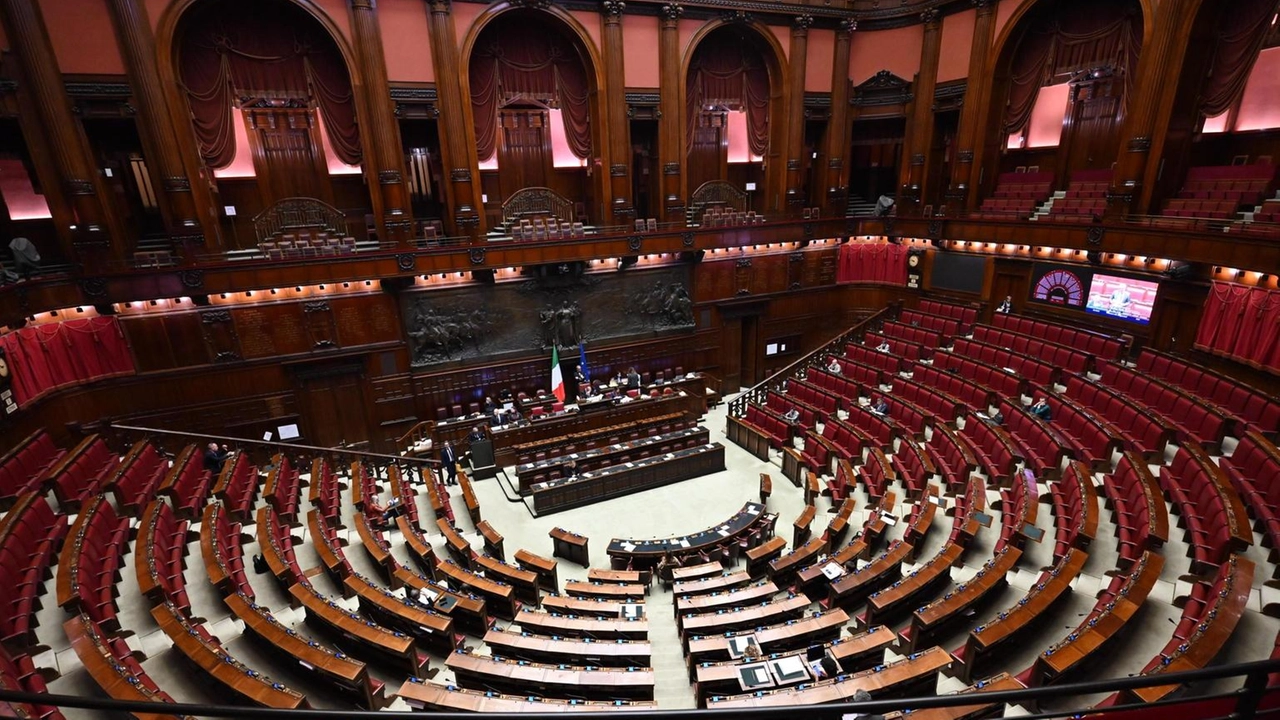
(957, 44)
(897, 51)
(242, 164)
(1260, 106)
(404, 39)
(82, 36)
(19, 195)
(640, 51)
(561, 155)
(817, 64)
(1045, 128)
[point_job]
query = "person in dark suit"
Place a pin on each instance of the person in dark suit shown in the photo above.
(1040, 408)
(214, 457)
(879, 406)
(449, 460)
(633, 379)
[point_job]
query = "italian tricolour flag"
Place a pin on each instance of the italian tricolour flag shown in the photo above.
(557, 378)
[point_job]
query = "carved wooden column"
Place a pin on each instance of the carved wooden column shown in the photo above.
(458, 146)
(1150, 110)
(93, 234)
(671, 122)
(392, 208)
(836, 143)
(919, 141)
(615, 103)
(795, 112)
(189, 219)
(977, 96)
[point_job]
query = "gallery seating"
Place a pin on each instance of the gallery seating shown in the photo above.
(1075, 509)
(952, 456)
(23, 467)
(926, 339)
(1103, 347)
(187, 483)
(137, 477)
(814, 397)
(237, 486)
(1251, 407)
(1067, 358)
(884, 362)
(945, 327)
(82, 472)
(1085, 199)
(994, 450)
(994, 381)
(1139, 429)
(1017, 194)
(162, 550)
(276, 546)
(282, 487)
(1208, 507)
(222, 553)
(324, 494)
(30, 536)
(1039, 371)
(913, 351)
(1087, 437)
(967, 315)
(1254, 471)
(953, 385)
(89, 566)
(1139, 512)
(1191, 419)
(943, 408)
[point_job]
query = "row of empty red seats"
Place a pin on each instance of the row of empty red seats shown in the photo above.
(291, 245)
(768, 424)
(1089, 438)
(1017, 193)
(162, 549)
(1190, 418)
(1065, 357)
(30, 535)
(906, 415)
(325, 495)
(89, 565)
(1095, 344)
(1037, 371)
(1139, 512)
(19, 674)
(238, 486)
(874, 475)
(1212, 514)
(942, 407)
(1018, 507)
(1254, 407)
(1242, 183)
(883, 362)
(1254, 471)
(927, 339)
(844, 386)
(1075, 510)
(967, 315)
(1208, 209)
(973, 500)
(23, 467)
(1269, 213)
(223, 554)
(875, 428)
(82, 472)
(783, 404)
(546, 229)
(993, 449)
(972, 395)
(913, 351)
(913, 468)
(1039, 446)
(813, 400)
(274, 539)
(837, 441)
(952, 457)
(138, 477)
(283, 486)
(944, 326)
(1141, 430)
(993, 380)
(727, 217)
(187, 483)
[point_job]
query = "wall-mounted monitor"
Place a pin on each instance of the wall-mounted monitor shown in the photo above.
(1060, 285)
(289, 432)
(1122, 298)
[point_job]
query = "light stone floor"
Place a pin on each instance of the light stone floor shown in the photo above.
(674, 510)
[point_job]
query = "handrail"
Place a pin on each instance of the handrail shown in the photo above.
(738, 407)
(1248, 697)
(278, 446)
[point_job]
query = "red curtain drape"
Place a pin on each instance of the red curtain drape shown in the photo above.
(1242, 29)
(243, 50)
(1070, 37)
(872, 263)
(1242, 323)
(727, 72)
(46, 357)
(513, 64)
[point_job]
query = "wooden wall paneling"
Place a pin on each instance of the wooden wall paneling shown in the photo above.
(461, 166)
(832, 192)
(619, 199)
(914, 172)
(794, 189)
(332, 398)
(1175, 319)
(287, 154)
(975, 112)
(1090, 139)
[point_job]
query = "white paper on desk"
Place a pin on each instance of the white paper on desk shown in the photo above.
(574, 456)
(789, 666)
(684, 543)
(306, 665)
(753, 511)
(722, 533)
(631, 464)
(629, 547)
(889, 520)
(617, 447)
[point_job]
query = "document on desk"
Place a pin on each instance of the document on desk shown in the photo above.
(722, 533)
(629, 547)
(755, 676)
(684, 543)
(789, 669)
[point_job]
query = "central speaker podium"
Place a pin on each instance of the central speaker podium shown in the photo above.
(482, 460)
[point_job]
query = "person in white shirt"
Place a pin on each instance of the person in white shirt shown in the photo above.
(884, 347)
(834, 366)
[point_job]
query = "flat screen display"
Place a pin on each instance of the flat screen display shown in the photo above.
(960, 272)
(1061, 285)
(1122, 298)
(288, 432)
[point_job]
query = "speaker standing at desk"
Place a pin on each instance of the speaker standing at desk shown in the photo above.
(482, 461)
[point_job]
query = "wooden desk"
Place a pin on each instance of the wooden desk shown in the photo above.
(419, 549)
(573, 626)
(346, 673)
(208, 655)
(747, 436)
(784, 568)
(116, 681)
(1052, 585)
(839, 524)
(627, 577)
(769, 613)
(467, 610)
(645, 554)
(812, 488)
(481, 672)
(546, 569)
(787, 636)
(886, 568)
(379, 551)
(802, 523)
(606, 456)
(324, 614)
(792, 463)
(280, 558)
(425, 695)
(469, 497)
(922, 519)
(766, 488)
(999, 683)
(853, 653)
(591, 607)
(907, 593)
(759, 557)
(541, 648)
(760, 592)
(525, 582)
(492, 540)
(499, 597)
(893, 679)
(571, 546)
(696, 572)
(331, 556)
(932, 617)
(1100, 626)
(432, 630)
(709, 585)
(459, 548)
(618, 480)
(596, 437)
(607, 591)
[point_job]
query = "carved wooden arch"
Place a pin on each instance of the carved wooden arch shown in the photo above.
(717, 192)
(779, 78)
(1005, 34)
(536, 202)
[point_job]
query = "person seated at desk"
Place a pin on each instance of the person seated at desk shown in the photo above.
(884, 347)
(1006, 307)
(618, 380)
(393, 510)
(489, 405)
(1040, 408)
(792, 416)
(879, 406)
(477, 433)
(834, 367)
(752, 652)
(571, 470)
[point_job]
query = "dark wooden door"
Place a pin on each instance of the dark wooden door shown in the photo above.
(287, 154)
(751, 351)
(1092, 136)
(731, 354)
(524, 150)
(334, 410)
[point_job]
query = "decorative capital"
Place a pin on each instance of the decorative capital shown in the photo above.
(847, 26)
(736, 16)
(672, 11)
(1141, 143)
(612, 8)
(930, 16)
(686, 238)
(802, 22)
(215, 317)
(191, 279)
(985, 7)
(934, 229)
(460, 174)
(176, 183)
(635, 242)
(389, 177)
(535, 4)
(1095, 235)
(439, 7)
(671, 168)
(315, 307)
